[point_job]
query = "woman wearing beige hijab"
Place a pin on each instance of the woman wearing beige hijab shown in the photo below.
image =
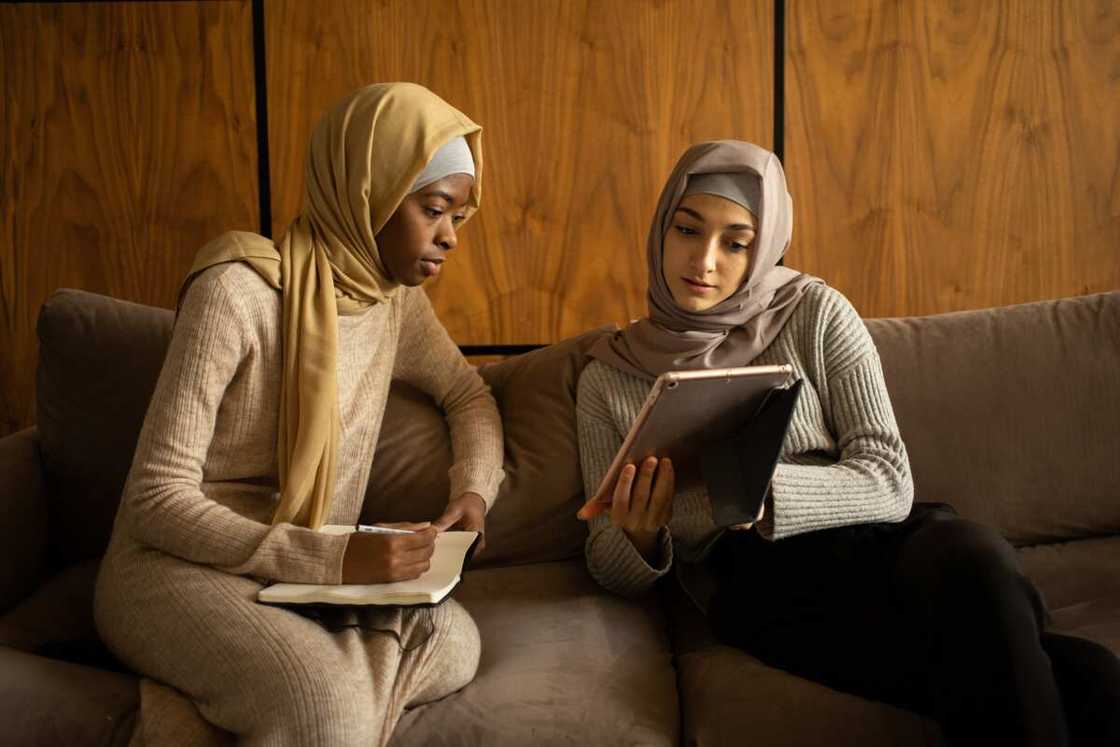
(263, 427)
(841, 579)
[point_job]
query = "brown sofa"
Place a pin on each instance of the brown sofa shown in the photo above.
(1011, 414)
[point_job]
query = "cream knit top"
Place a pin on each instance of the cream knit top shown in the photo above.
(843, 461)
(203, 484)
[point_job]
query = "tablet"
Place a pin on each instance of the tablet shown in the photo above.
(686, 409)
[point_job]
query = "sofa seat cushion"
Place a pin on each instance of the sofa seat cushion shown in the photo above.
(1095, 619)
(730, 698)
(563, 662)
(1071, 573)
(49, 702)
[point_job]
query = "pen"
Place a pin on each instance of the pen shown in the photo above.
(382, 530)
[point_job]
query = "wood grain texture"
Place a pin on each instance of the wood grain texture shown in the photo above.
(946, 155)
(585, 107)
(129, 140)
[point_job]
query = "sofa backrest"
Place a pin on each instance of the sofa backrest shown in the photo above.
(1013, 414)
(99, 358)
(534, 517)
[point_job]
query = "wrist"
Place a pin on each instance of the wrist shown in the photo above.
(646, 543)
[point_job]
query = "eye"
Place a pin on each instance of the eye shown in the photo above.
(685, 230)
(738, 246)
(433, 212)
(457, 219)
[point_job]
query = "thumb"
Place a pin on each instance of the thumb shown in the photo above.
(450, 516)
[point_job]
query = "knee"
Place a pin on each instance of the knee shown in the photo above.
(460, 647)
(309, 704)
(451, 654)
(963, 560)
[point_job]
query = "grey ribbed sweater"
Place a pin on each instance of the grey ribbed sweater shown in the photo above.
(843, 461)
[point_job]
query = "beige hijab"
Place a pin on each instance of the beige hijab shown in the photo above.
(736, 330)
(364, 156)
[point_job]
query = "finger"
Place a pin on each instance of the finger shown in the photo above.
(620, 506)
(640, 495)
(412, 526)
(423, 538)
(409, 571)
(664, 484)
(450, 516)
(416, 554)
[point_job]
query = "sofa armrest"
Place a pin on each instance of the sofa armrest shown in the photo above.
(23, 517)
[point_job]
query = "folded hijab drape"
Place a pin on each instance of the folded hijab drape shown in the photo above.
(736, 330)
(364, 157)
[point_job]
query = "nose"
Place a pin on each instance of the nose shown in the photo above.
(704, 257)
(447, 239)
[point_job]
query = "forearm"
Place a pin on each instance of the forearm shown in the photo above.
(180, 520)
(870, 482)
(477, 445)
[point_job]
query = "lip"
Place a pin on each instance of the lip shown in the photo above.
(430, 266)
(697, 287)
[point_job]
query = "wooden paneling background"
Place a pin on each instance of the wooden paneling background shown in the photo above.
(585, 107)
(129, 138)
(946, 155)
(942, 155)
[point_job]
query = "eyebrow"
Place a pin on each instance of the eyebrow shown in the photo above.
(702, 219)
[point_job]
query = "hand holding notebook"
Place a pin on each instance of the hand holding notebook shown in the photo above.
(450, 553)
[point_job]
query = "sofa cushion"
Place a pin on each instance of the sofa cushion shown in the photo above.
(1013, 414)
(534, 517)
(99, 358)
(1071, 573)
(563, 663)
(48, 702)
(1096, 619)
(726, 693)
(57, 620)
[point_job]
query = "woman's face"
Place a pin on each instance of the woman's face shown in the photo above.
(706, 252)
(416, 239)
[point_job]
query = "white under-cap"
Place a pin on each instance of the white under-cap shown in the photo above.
(453, 157)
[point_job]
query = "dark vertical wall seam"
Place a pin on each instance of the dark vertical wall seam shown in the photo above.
(264, 176)
(780, 79)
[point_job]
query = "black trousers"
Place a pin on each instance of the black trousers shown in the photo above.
(932, 614)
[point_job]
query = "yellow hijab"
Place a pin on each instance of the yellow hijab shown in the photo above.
(365, 154)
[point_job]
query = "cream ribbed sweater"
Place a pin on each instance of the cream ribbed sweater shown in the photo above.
(843, 461)
(176, 592)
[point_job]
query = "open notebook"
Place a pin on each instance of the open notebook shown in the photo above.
(451, 554)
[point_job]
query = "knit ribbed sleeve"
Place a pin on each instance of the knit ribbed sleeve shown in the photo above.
(428, 359)
(164, 503)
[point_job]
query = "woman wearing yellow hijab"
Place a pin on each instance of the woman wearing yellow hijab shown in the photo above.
(263, 427)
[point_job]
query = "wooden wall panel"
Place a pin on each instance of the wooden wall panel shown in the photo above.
(585, 107)
(947, 155)
(129, 139)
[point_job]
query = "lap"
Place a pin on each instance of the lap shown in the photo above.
(845, 606)
(203, 632)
